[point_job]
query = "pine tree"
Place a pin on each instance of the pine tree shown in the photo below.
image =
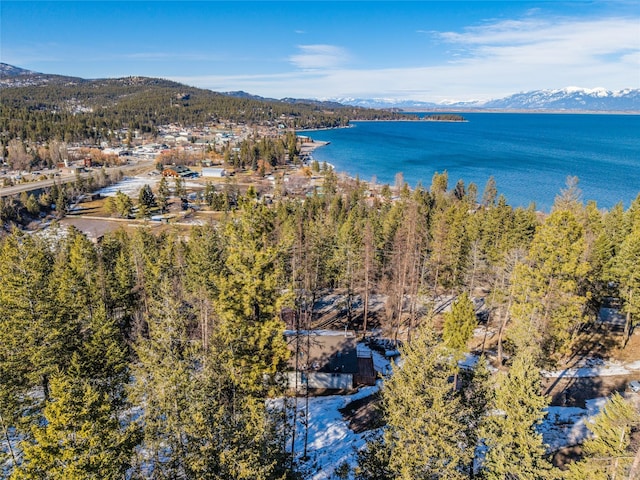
(607, 453)
(104, 356)
(373, 461)
(82, 437)
(61, 202)
(496, 234)
(450, 246)
(163, 194)
(459, 324)
(514, 449)
(627, 272)
(24, 269)
(40, 326)
(490, 192)
(144, 256)
(75, 282)
(32, 205)
(179, 189)
(146, 201)
(204, 263)
(348, 259)
(249, 347)
(249, 300)
(229, 435)
(477, 394)
(167, 359)
(549, 298)
(123, 204)
(439, 184)
(118, 279)
(425, 430)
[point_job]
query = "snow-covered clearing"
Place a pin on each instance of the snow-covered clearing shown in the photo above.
(129, 185)
(132, 185)
(566, 426)
(330, 440)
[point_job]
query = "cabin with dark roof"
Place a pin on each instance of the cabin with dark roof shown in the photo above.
(327, 360)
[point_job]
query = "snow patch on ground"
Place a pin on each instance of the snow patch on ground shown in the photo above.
(594, 405)
(469, 361)
(595, 368)
(564, 426)
(567, 426)
(128, 185)
(330, 440)
(331, 443)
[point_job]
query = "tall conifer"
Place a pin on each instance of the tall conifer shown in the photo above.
(82, 437)
(425, 418)
(607, 452)
(514, 448)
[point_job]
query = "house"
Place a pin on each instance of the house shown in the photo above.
(610, 316)
(213, 172)
(327, 359)
(94, 230)
(178, 171)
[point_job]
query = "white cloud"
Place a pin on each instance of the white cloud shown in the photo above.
(487, 61)
(313, 57)
(537, 42)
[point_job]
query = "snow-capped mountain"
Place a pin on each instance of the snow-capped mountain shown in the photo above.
(571, 98)
(565, 99)
(383, 103)
(11, 76)
(7, 70)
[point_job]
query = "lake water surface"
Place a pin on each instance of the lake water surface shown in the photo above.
(530, 155)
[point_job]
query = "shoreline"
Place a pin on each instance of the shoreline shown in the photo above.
(301, 132)
(308, 147)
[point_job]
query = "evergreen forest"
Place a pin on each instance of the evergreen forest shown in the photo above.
(77, 110)
(162, 355)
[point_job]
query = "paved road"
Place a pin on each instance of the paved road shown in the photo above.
(29, 186)
(67, 178)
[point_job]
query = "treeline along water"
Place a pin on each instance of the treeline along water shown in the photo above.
(530, 155)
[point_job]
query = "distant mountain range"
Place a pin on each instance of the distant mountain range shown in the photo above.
(306, 101)
(565, 99)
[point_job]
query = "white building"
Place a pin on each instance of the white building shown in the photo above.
(213, 172)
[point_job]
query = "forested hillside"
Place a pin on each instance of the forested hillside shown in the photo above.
(156, 356)
(93, 110)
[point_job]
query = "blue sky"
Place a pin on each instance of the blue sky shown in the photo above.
(421, 50)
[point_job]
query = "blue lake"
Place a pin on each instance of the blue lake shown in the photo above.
(529, 155)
